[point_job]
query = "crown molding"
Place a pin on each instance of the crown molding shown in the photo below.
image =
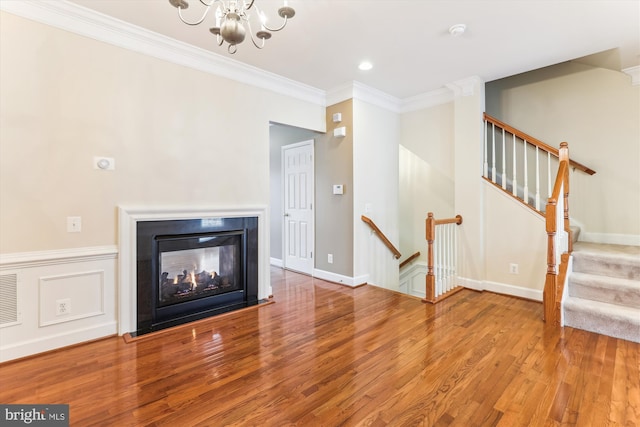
(362, 92)
(634, 72)
(427, 100)
(86, 22)
(465, 87)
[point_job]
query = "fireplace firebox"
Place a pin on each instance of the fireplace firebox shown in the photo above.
(194, 268)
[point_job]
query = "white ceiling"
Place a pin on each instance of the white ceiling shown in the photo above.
(408, 41)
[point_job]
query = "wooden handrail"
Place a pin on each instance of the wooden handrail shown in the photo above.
(431, 222)
(408, 260)
(553, 288)
(535, 142)
(387, 242)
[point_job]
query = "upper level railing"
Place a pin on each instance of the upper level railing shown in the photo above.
(385, 240)
(520, 164)
(558, 238)
(442, 257)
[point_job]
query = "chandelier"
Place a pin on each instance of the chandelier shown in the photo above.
(231, 15)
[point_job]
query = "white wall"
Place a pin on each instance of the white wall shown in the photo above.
(375, 182)
(426, 173)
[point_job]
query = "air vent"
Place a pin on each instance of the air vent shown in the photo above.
(8, 299)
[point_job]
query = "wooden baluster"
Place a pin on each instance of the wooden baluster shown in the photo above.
(550, 287)
(430, 280)
(564, 155)
(515, 179)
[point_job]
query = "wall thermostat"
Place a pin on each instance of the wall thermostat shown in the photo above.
(338, 189)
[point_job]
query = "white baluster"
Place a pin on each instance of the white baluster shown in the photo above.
(440, 269)
(515, 179)
(504, 163)
(548, 174)
(486, 154)
(493, 154)
(525, 196)
(537, 180)
(451, 256)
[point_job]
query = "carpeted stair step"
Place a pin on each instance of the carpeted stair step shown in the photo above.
(603, 318)
(612, 290)
(607, 260)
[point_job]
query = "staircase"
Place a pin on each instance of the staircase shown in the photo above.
(603, 293)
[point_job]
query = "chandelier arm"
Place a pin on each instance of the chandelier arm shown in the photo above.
(276, 29)
(198, 22)
(256, 44)
(210, 4)
(253, 38)
(246, 7)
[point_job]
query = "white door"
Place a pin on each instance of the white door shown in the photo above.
(298, 173)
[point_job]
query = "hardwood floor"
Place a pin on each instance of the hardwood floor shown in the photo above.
(328, 355)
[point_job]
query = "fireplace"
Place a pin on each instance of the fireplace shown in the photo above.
(188, 269)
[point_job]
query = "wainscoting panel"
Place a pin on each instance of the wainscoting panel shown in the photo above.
(413, 279)
(63, 297)
(70, 297)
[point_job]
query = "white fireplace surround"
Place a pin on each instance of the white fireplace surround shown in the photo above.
(128, 217)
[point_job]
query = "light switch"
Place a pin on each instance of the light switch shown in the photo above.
(338, 189)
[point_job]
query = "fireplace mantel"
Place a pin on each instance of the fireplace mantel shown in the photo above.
(128, 217)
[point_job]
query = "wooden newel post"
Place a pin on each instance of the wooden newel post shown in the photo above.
(550, 285)
(563, 154)
(431, 278)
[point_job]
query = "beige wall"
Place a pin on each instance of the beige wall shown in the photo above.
(179, 137)
(426, 173)
(596, 111)
(334, 213)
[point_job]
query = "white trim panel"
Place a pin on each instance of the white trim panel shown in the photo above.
(128, 217)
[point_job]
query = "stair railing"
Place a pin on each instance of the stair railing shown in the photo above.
(385, 240)
(442, 256)
(409, 259)
(520, 164)
(559, 239)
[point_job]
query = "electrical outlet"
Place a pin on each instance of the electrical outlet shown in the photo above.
(513, 268)
(63, 307)
(330, 258)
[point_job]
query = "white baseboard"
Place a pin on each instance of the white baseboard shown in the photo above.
(339, 278)
(609, 238)
(515, 291)
(501, 288)
(275, 262)
(52, 342)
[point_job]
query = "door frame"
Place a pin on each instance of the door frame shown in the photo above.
(311, 143)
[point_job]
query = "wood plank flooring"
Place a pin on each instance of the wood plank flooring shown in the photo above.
(328, 355)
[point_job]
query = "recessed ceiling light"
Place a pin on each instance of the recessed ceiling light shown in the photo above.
(457, 30)
(365, 66)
